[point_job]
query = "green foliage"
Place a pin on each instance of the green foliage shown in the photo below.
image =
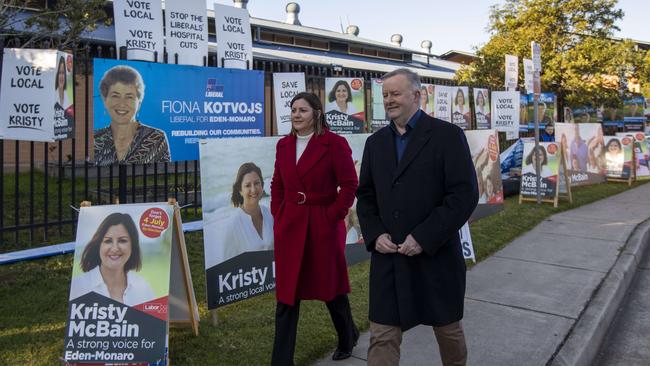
(580, 59)
(62, 24)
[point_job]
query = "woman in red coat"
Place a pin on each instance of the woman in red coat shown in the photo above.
(313, 187)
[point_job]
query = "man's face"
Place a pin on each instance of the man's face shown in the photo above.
(400, 100)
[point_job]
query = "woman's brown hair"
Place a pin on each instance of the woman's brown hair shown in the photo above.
(319, 117)
(236, 198)
(90, 257)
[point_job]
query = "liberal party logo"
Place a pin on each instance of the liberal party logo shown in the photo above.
(213, 89)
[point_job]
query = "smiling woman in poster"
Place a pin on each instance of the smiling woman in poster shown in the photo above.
(531, 161)
(312, 190)
(615, 157)
(251, 226)
(424, 99)
(340, 98)
(109, 261)
(127, 140)
(60, 84)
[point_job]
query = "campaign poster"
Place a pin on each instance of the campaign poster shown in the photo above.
(618, 154)
(461, 115)
(484, 148)
(442, 102)
(528, 75)
(118, 304)
(139, 28)
(162, 110)
(548, 155)
(234, 42)
(511, 72)
(546, 109)
(585, 114)
(482, 109)
(36, 95)
(286, 85)
(186, 32)
(236, 174)
(505, 112)
(641, 153)
(523, 112)
(64, 121)
(612, 115)
(378, 119)
(345, 105)
(427, 104)
(633, 116)
(584, 147)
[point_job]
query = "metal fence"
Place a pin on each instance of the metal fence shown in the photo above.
(41, 183)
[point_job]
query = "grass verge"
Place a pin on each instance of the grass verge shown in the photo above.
(33, 301)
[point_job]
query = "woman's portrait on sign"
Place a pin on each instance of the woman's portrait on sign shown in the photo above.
(126, 140)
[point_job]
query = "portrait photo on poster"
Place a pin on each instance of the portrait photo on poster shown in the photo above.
(584, 147)
(547, 154)
(484, 148)
(120, 253)
(345, 105)
(126, 140)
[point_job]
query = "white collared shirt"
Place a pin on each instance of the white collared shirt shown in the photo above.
(137, 289)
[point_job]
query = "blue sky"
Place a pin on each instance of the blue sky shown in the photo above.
(457, 24)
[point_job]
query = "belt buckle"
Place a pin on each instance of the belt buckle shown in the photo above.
(303, 198)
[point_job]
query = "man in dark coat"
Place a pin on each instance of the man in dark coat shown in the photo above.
(417, 187)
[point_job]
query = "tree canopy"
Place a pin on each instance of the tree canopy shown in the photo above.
(62, 23)
(581, 61)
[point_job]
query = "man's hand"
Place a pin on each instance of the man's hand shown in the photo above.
(410, 247)
(385, 245)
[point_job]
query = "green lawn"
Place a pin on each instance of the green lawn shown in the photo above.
(34, 296)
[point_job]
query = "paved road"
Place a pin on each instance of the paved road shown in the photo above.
(628, 340)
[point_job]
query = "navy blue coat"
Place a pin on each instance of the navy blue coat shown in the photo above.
(430, 194)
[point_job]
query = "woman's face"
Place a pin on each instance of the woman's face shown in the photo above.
(424, 98)
(60, 74)
(489, 187)
(460, 99)
(341, 94)
(480, 100)
(614, 148)
(122, 102)
(115, 249)
(251, 188)
(302, 117)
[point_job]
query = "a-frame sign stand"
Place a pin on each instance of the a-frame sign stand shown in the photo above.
(562, 188)
(183, 309)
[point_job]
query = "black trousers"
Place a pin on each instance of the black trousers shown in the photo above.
(286, 327)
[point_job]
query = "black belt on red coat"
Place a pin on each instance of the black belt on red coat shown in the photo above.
(309, 198)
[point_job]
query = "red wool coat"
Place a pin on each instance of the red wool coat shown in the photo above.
(308, 213)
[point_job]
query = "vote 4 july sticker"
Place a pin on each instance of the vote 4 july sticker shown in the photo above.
(153, 222)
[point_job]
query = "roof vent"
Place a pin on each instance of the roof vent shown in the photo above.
(352, 30)
(240, 3)
(293, 9)
(396, 39)
(426, 45)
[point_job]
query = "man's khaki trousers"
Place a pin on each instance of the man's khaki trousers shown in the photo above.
(385, 341)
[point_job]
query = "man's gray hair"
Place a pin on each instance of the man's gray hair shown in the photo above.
(413, 78)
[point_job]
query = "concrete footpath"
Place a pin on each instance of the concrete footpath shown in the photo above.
(548, 297)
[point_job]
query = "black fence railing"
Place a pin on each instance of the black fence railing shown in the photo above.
(42, 183)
